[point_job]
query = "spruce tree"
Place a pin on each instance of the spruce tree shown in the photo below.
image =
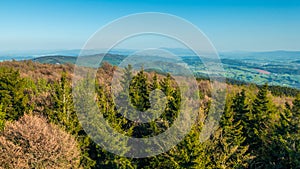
(12, 94)
(260, 130)
(63, 108)
(155, 83)
(296, 131)
(228, 149)
(282, 141)
(63, 114)
(2, 118)
(284, 149)
(295, 118)
(258, 119)
(124, 97)
(173, 99)
(120, 124)
(139, 90)
(189, 153)
(241, 110)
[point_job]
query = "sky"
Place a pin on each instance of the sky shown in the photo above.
(240, 25)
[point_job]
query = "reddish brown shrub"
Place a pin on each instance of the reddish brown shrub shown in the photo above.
(31, 142)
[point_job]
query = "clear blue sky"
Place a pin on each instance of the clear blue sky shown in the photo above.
(231, 25)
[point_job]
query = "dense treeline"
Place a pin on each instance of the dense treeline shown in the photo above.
(255, 131)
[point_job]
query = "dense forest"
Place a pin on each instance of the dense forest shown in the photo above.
(39, 127)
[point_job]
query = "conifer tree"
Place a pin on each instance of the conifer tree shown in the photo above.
(295, 126)
(189, 153)
(12, 97)
(281, 141)
(173, 99)
(228, 149)
(258, 118)
(295, 118)
(241, 111)
(287, 136)
(139, 90)
(155, 83)
(63, 113)
(2, 118)
(103, 158)
(127, 77)
(63, 108)
(124, 96)
(158, 104)
(260, 130)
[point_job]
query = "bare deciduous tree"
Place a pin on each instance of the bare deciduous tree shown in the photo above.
(31, 142)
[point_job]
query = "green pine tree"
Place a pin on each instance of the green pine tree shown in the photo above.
(228, 149)
(173, 100)
(155, 83)
(63, 108)
(12, 94)
(241, 111)
(63, 114)
(288, 136)
(139, 91)
(260, 130)
(2, 118)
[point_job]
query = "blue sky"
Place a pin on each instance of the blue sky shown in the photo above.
(230, 25)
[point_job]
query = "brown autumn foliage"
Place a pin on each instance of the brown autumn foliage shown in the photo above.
(31, 142)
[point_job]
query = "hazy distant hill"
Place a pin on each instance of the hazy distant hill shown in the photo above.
(279, 55)
(55, 59)
(275, 67)
(113, 59)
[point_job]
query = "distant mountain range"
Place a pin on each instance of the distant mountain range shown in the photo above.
(269, 55)
(275, 67)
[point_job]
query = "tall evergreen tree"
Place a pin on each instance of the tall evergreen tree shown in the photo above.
(63, 114)
(228, 149)
(63, 108)
(258, 118)
(282, 146)
(295, 125)
(139, 90)
(241, 110)
(103, 158)
(155, 83)
(2, 118)
(125, 95)
(287, 138)
(173, 99)
(12, 96)
(295, 118)
(260, 130)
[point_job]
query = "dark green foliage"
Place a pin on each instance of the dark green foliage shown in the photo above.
(253, 132)
(2, 118)
(63, 114)
(63, 108)
(173, 99)
(260, 131)
(284, 148)
(12, 94)
(286, 139)
(258, 119)
(189, 153)
(229, 148)
(155, 83)
(283, 91)
(241, 111)
(139, 91)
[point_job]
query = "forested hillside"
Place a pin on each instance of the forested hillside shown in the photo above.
(259, 127)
